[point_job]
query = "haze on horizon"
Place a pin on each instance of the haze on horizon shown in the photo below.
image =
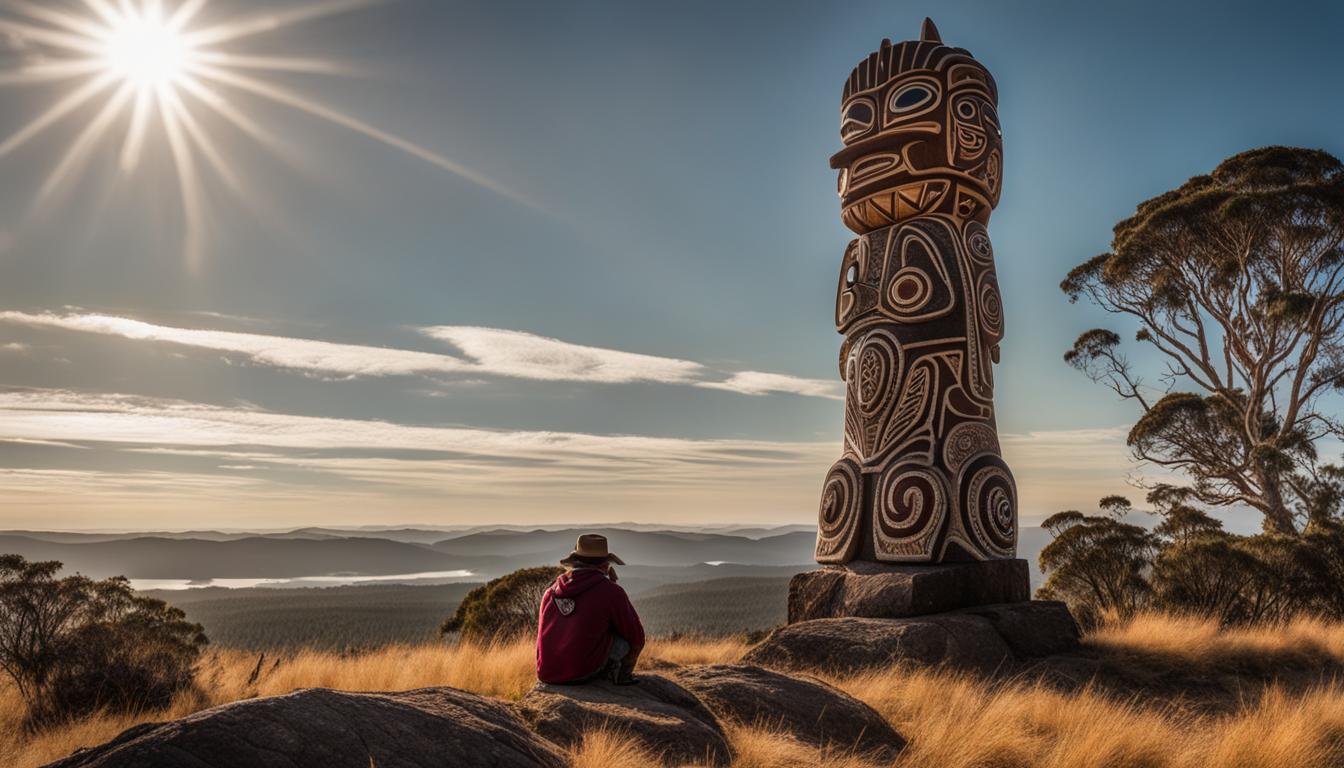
(420, 262)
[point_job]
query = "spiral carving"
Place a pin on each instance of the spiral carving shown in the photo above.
(911, 508)
(989, 505)
(991, 307)
(838, 517)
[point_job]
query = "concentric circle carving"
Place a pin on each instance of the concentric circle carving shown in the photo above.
(967, 439)
(989, 505)
(910, 290)
(978, 244)
(838, 516)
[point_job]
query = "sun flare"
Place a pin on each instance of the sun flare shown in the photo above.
(169, 83)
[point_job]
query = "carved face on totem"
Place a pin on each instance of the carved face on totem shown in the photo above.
(921, 133)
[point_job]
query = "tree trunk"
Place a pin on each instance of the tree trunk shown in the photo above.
(1278, 517)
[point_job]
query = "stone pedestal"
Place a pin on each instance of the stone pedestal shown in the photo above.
(877, 591)
(988, 639)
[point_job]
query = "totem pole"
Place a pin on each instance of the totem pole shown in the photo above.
(921, 479)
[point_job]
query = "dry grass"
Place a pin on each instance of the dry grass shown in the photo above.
(225, 675)
(610, 749)
(951, 720)
(1201, 643)
(694, 650)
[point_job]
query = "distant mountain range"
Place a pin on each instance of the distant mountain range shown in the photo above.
(655, 555)
(413, 535)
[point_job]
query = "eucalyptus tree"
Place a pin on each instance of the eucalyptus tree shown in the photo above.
(1236, 282)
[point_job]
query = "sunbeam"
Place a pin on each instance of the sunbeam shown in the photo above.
(159, 71)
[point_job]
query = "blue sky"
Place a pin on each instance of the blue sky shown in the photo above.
(657, 185)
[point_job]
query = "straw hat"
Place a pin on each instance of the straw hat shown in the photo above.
(591, 549)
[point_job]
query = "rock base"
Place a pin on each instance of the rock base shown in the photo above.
(879, 591)
(986, 639)
(666, 719)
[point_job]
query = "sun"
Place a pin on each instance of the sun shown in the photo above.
(147, 51)
(141, 76)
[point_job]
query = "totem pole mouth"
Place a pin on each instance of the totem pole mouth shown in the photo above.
(893, 141)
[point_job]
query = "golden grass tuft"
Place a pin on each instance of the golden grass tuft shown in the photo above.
(695, 650)
(951, 720)
(610, 749)
(757, 747)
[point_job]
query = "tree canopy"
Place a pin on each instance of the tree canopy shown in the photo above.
(1236, 280)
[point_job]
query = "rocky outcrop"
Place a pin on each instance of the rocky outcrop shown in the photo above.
(666, 718)
(812, 711)
(1033, 629)
(866, 590)
(322, 728)
(984, 640)
(677, 720)
(841, 646)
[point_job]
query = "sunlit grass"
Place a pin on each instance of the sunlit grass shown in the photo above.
(951, 720)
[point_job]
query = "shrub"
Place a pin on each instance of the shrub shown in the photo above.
(1097, 563)
(1205, 576)
(1188, 564)
(74, 645)
(503, 608)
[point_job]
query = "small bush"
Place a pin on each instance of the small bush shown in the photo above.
(74, 645)
(504, 608)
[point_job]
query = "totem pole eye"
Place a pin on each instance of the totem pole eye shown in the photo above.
(852, 274)
(991, 118)
(910, 98)
(856, 119)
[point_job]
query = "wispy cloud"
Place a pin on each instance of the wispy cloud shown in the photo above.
(62, 415)
(485, 352)
(528, 356)
(758, 383)
(312, 467)
(278, 351)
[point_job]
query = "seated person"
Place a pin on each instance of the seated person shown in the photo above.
(587, 627)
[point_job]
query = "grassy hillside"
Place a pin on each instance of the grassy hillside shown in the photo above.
(951, 720)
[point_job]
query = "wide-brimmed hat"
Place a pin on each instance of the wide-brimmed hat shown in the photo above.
(591, 549)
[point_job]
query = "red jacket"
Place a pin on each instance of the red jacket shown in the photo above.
(573, 645)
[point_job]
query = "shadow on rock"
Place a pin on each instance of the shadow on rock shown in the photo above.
(808, 709)
(664, 717)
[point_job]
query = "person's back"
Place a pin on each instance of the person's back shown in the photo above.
(586, 625)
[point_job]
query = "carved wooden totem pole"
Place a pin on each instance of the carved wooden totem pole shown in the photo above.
(921, 479)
